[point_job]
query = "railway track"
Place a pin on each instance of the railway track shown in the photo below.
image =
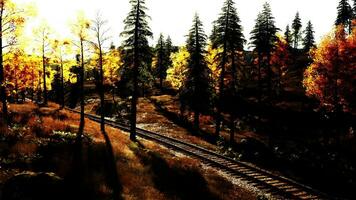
(268, 182)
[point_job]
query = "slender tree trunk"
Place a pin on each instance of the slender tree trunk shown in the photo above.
(62, 85)
(232, 129)
(81, 86)
(45, 101)
(259, 77)
(269, 74)
(135, 78)
(101, 90)
(2, 71)
(222, 76)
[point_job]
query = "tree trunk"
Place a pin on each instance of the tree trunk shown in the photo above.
(259, 78)
(62, 85)
(81, 86)
(2, 75)
(45, 101)
(135, 78)
(232, 129)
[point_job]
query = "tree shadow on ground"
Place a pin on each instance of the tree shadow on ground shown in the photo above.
(183, 122)
(177, 181)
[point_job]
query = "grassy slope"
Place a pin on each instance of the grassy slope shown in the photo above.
(42, 140)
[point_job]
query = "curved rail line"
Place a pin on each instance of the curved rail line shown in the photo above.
(266, 181)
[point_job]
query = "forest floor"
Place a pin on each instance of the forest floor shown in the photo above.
(285, 137)
(42, 139)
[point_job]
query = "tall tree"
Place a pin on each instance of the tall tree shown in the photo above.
(354, 10)
(59, 48)
(43, 33)
(228, 37)
(331, 76)
(264, 40)
(80, 31)
(309, 39)
(196, 92)
(11, 19)
(168, 52)
(99, 30)
(136, 45)
(344, 14)
(288, 36)
(161, 66)
(297, 27)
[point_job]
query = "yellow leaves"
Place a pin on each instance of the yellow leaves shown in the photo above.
(81, 26)
(176, 74)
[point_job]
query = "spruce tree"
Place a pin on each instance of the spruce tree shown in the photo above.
(297, 27)
(161, 66)
(288, 36)
(196, 91)
(263, 39)
(137, 51)
(309, 40)
(168, 52)
(344, 14)
(227, 35)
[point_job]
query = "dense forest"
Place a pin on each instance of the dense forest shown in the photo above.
(274, 98)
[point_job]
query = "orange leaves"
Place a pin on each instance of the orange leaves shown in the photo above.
(331, 75)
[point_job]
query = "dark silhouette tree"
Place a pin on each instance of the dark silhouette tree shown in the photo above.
(196, 91)
(296, 27)
(161, 65)
(137, 49)
(263, 39)
(288, 36)
(227, 35)
(309, 39)
(169, 50)
(344, 14)
(10, 19)
(354, 10)
(80, 31)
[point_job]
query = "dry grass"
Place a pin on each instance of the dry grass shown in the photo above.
(145, 172)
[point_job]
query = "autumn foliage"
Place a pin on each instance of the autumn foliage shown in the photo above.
(331, 77)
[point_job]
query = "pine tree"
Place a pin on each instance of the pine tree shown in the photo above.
(309, 40)
(296, 26)
(196, 91)
(288, 36)
(344, 14)
(227, 35)
(137, 50)
(161, 66)
(354, 10)
(263, 38)
(169, 51)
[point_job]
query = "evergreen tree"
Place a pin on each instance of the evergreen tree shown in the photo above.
(169, 51)
(228, 37)
(296, 26)
(344, 14)
(137, 50)
(354, 10)
(309, 40)
(196, 91)
(288, 36)
(161, 66)
(263, 39)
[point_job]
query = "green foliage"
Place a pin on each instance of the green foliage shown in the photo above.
(288, 36)
(309, 40)
(344, 13)
(136, 50)
(196, 91)
(296, 26)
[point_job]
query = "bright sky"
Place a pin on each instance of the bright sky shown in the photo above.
(174, 17)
